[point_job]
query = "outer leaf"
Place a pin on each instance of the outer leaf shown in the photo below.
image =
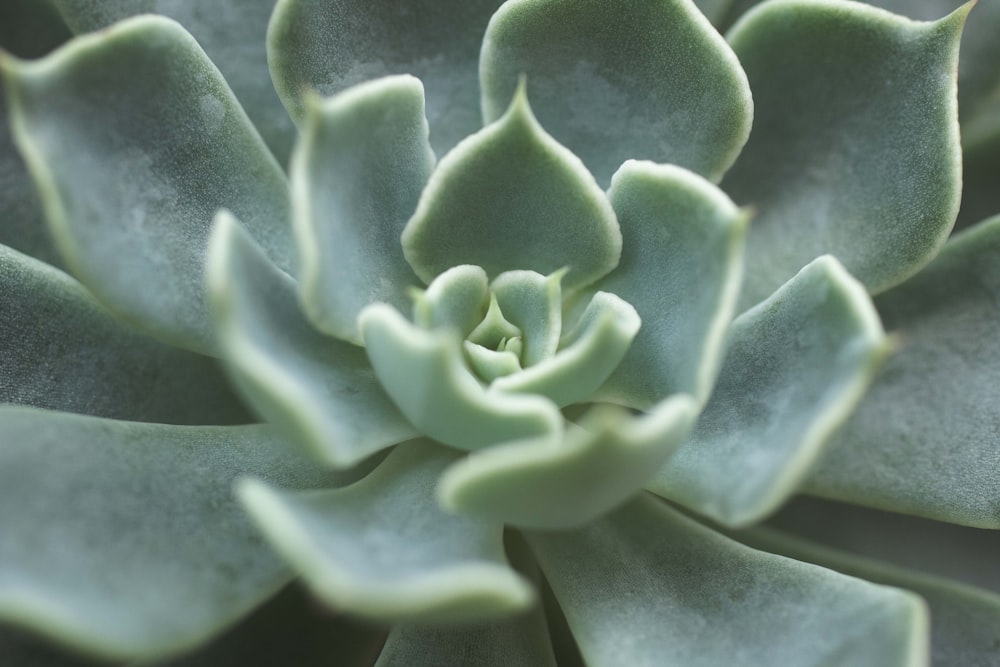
(426, 376)
(616, 81)
(134, 141)
(965, 620)
(382, 548)
(892, 452)
(795, 367)
(320, 390)
(330, 45)
(358, 171)
(62, 351)
(509, 197)
(121, 538)
(232, 33)
(825, 170)
(646, 586)
(564, 483)
(682, 260)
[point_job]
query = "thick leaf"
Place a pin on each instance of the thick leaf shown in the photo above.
(134, 141)
(510, 197)
(357, 174)
(330, 45)
(965, 627)
(122, 539)
(233, 35)
(318, 389)
(533, 303)
(924, 439)
(647, 586)
(855, 147)
(682, 260)
(382, 548)
(60, 349)
(615, 81)
(551, 483)
(426, 376)
(795, 367)
(458, 298)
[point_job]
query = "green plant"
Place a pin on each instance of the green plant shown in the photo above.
(504, 371)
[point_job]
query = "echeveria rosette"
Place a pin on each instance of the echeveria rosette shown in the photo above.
(446, 312)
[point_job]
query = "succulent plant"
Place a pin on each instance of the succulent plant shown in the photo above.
(519, 375)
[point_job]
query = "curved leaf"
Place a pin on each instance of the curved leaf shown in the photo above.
(122, 539)
(62, 351)
(924, 440)
(459, 298)
(357, 174)
(826, 168)
(533, 303)
(330, 45)
(647, 586)
(426, 376)
(233, 35)
(795, 367)
(615, 81)
(382, 548)
(320, 390)
(681, 265)
(509, 197)
(134, 141)
(566, 483)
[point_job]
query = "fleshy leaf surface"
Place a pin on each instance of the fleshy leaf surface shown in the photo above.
(318, 389)
(357, 174)
(795, 367)
(647, 586)
(681, 264)
(532, 302)
(824, 169)
(382, 548)
(232, 33)
(123, 539)
(895, 452)
(510, 197)
(426, 376)
(614, 81)
(135, 140)
(548, 484)
(330, 45)
(458, 298)
(63, 351)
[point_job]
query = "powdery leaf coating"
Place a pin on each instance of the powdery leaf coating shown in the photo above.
(824, 170)
(174, 145)
(615, 81)
(320, 390)
(647, 586)
(924, 439)
(382, 548)
(511, 198)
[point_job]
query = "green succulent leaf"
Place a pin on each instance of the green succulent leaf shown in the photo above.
(232, 33)
(382, 548)
(426, 376)
(588, 354)
(122, 539)
(548, 484)
(965, 620)
(795, 367)
(682, 259)
(63, 351)
(533, 303)
(330, 45)
(615, 81)
(318, 389)
(459, 298)
(893, 452)
(647, 586)
(511, 198)
(356, 176)
(824, 168)
(134, 140)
